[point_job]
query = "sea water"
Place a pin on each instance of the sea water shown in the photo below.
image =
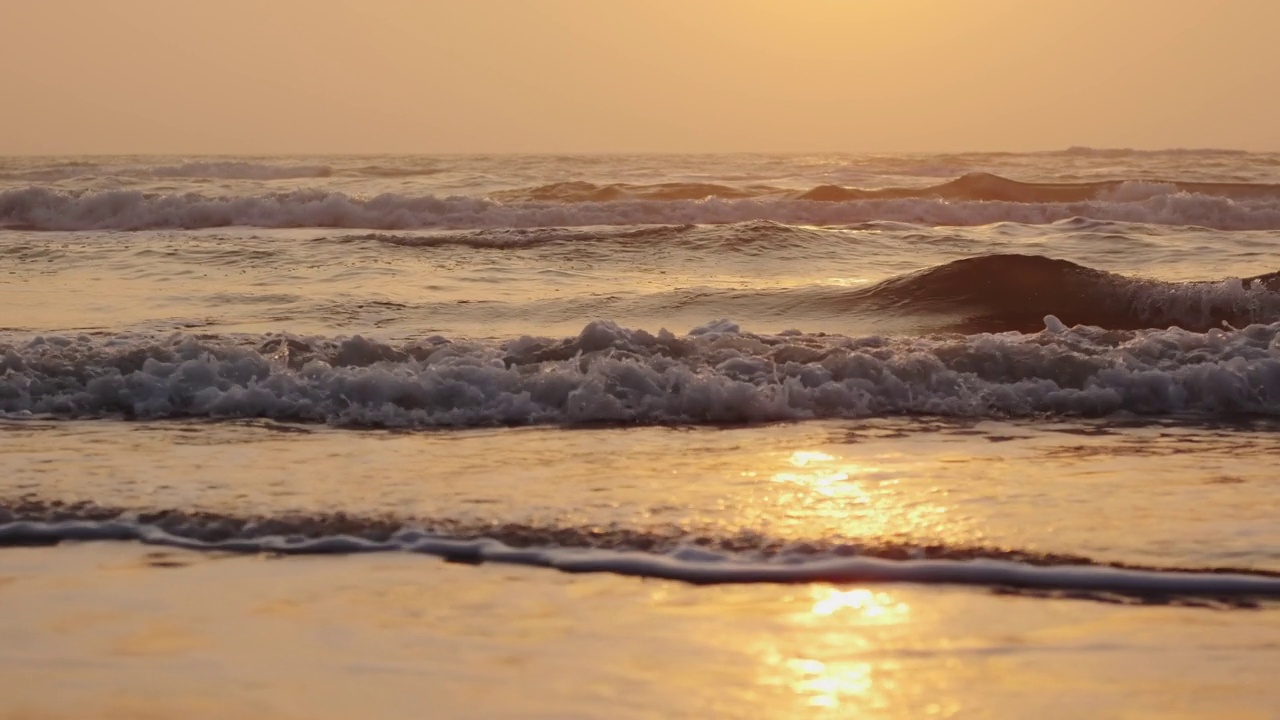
(944, 386)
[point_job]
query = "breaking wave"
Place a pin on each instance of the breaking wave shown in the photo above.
(972, 199)
(982, 294)
(994, 293)
(37, 208)
(611, 374)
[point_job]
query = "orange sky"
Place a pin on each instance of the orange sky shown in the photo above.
(315, 76)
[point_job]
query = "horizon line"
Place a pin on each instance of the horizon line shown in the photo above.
(572, 153)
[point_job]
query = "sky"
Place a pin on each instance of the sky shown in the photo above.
(428, 76)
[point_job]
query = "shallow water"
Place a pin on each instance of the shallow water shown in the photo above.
(805, 501)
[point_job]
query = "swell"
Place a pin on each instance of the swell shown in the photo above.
(525, 238)
(667, 552)
(40, 208)
(1086, 151)
(211, 169)
(763, 234)
(983, 294)
(976, 186)
(985, 186)
(581, 191)
(996, 293)
(610, 374)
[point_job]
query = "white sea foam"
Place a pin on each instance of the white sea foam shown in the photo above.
(45, 209)
(611, 374)
(693, 565)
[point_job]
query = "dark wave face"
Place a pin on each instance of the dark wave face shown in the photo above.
(997, 293)
(985, 294)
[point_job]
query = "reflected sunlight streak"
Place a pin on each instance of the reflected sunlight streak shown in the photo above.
(877, 606)
(834, 619)
(828, 481)
(824, 493)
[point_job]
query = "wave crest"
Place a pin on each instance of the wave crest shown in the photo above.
(715, 374)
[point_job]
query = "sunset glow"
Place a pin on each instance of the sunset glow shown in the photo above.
(131, 76)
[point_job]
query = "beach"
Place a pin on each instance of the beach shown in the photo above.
(900, 436)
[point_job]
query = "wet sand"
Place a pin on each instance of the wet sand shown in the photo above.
(126, 630)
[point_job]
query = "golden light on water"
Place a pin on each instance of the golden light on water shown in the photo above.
(821, 494)
(802, 458)
(830, 684)
(834, 664)
(830, 628)
(868, 604)
(817, 471)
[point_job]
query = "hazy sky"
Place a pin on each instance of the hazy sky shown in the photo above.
(340, 76)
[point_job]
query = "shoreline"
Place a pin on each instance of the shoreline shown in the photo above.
(100, 630)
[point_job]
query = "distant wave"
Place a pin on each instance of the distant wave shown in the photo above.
(1086, 151)
(393, 171)
(579, 191)
(667, 553)
(688, 236)
(607, 373)
(973, 200)
(214, 170)
(985, 186)
(239, 171)
(971, 186)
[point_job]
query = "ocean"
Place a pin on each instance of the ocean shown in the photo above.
(896, 435)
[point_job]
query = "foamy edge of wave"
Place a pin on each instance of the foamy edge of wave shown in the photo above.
(693, 565)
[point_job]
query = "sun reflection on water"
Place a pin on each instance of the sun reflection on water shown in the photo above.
(870, 606)
(827, 671)
(817, 472)
(829, 684)
(824, 494)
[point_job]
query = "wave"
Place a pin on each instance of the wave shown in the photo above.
(972, 186)
(235, 170)
(690, 237)
(579, 191)
(610, 374)
(38, 208)
(1086, 151)
(993, 293)
(983, 294)
(393, 171)
(985, 186)
(666, 553)
(219, 170)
